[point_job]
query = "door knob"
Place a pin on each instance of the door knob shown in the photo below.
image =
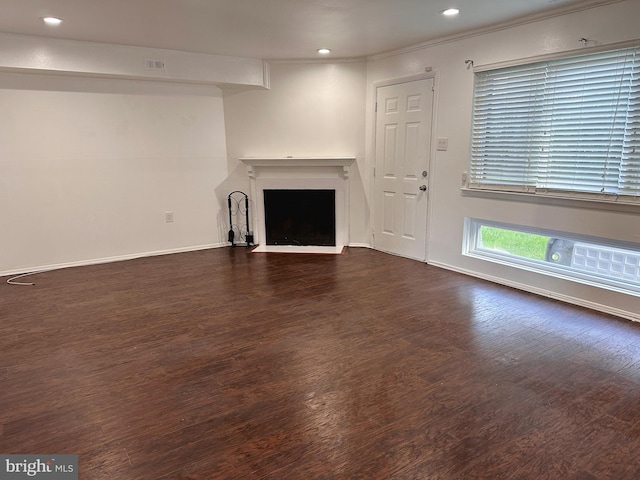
(423, 188)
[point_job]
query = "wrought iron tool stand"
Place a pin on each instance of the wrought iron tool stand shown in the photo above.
(239, 232)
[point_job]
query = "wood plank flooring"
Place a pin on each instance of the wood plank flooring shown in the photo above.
(225, 364)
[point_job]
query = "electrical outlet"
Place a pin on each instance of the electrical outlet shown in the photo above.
(168, 217)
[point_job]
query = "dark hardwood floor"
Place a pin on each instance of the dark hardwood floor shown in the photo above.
(224, 364)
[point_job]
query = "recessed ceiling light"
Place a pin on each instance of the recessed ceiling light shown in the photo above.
(450, 12)
(52, 20)
(324, 51)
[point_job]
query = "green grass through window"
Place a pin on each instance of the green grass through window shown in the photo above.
(521, 244)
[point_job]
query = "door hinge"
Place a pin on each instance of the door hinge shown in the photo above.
(374, 171)
(376, 108)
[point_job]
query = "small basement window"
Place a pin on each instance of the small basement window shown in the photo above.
(595, 261)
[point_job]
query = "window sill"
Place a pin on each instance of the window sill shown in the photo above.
(571, 200)
(538, 268)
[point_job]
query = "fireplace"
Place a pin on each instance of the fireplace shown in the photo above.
(299, 186)
(300, 217)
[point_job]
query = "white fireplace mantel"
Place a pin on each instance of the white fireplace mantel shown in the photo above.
(300, 173)
(254, 163)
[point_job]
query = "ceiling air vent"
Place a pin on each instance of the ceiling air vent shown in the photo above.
(154, 64)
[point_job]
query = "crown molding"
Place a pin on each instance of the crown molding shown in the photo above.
(536, 17)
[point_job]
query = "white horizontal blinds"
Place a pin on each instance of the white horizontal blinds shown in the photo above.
(507, 134)
(630, 164)
(587, 111)
(563, 125)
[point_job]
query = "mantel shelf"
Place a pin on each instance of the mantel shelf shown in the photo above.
(261, 162)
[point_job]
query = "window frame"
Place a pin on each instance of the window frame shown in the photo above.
(471, 248)
(522, 191)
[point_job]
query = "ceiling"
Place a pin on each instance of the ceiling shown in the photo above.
(267, 29)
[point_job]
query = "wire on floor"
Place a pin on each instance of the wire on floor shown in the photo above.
(11, 281)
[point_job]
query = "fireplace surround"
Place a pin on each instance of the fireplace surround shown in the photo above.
(299, 173)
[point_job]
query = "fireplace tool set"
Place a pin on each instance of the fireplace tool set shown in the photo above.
(239, 232)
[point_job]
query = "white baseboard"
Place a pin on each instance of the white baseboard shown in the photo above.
(543, 292)
(118, 258)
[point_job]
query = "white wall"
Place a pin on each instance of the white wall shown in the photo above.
(95, 147)
(88, 168)
(604, 25)
(71, 57)
(312, 109)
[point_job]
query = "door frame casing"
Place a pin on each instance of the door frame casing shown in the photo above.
(386, 83)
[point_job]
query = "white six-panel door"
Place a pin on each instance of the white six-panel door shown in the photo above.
(403, 145)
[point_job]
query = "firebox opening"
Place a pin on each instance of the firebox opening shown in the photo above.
(300, 217)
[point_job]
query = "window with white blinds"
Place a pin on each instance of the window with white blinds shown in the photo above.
(567, 125)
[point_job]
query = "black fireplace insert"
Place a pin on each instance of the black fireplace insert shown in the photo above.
(300, 217)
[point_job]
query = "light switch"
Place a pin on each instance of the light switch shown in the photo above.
(443, 144)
